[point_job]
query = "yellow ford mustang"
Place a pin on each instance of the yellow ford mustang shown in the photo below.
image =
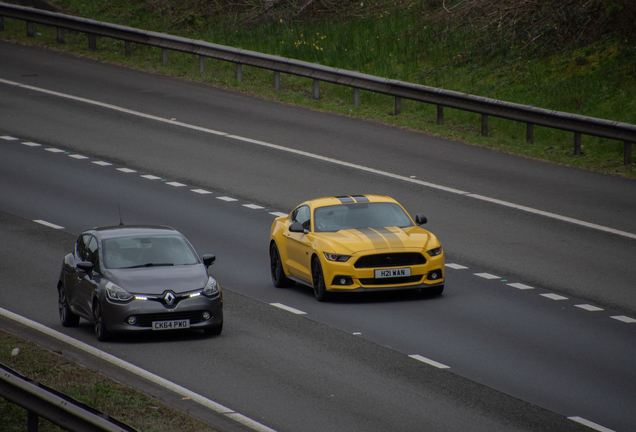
(355, 243)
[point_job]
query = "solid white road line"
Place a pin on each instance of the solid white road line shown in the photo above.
(326, 159)
(429, 361)
(184, 392)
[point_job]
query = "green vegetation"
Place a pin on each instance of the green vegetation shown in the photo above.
(576, 56)
(87, 386)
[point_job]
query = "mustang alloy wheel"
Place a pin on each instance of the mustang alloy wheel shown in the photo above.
(320, 291)
(276, 268)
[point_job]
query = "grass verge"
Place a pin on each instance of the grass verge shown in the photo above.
(85, 385)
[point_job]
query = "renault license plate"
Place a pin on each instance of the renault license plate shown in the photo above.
(171, 325)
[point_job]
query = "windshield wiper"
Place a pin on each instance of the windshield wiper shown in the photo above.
(151, 265)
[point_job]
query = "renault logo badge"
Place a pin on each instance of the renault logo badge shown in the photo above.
(169, 298)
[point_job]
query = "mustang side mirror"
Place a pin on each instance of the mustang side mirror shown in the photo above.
(296, 227)
(208, 259)
(420, 220)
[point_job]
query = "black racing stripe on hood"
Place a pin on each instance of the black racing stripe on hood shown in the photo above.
(392, 239)
(374, 236)
(360, 198)
(345, 199)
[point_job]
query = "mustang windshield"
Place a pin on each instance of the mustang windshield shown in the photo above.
(360, 215)
(147, 252)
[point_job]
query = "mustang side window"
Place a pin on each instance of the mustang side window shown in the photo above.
(302, 215)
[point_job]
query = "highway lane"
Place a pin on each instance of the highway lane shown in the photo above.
(553, 254)
(547, 352)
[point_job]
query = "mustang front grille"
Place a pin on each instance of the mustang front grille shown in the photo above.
(390, 260)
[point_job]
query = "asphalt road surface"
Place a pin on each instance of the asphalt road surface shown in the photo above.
(535, 324)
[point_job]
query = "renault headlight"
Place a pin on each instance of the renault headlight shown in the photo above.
(117, 293)
(211, 288)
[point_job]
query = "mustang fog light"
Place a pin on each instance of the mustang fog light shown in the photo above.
(206, 315)
(342, 280)
(434, 275)
(132, 320)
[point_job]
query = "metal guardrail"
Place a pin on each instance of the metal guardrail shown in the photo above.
(59, 409)
(400, 90)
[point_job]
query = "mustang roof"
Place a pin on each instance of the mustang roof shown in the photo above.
(349, 199)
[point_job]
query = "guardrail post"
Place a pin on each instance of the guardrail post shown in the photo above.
(484, 125)
(32, 421)
(529, 133)
(92, 42)
(577, 143)
(440, 114)
(30, 28)
(164, 56)
(398, 105)
(316, 89)
(239, 72)
(627, 152)
(1, 23)
(127, 48)
(276, 81)
(356, 96)
(60, 36)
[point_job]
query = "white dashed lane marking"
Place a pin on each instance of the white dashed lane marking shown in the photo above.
(456, 266)
(77, 156)
(278, 214)
(126, 170)
(48, 224)
(588, 307)
(31, 144)
(253, 206)
(554, 296)
(9, 138)
(624, 319)
(429, 361)
(487, 276)
(54, 150)
(228, 199)
(102, 163)
(590, 424)
(288, 308)
(201, 191)
(150, 177)
(520, 286)
(176, 184)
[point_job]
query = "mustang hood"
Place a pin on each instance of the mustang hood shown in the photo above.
(156, 280)
(389, 239)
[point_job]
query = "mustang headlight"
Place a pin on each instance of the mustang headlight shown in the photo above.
(211, 288)
(336, 257)
(117, 293)
(435, 252)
